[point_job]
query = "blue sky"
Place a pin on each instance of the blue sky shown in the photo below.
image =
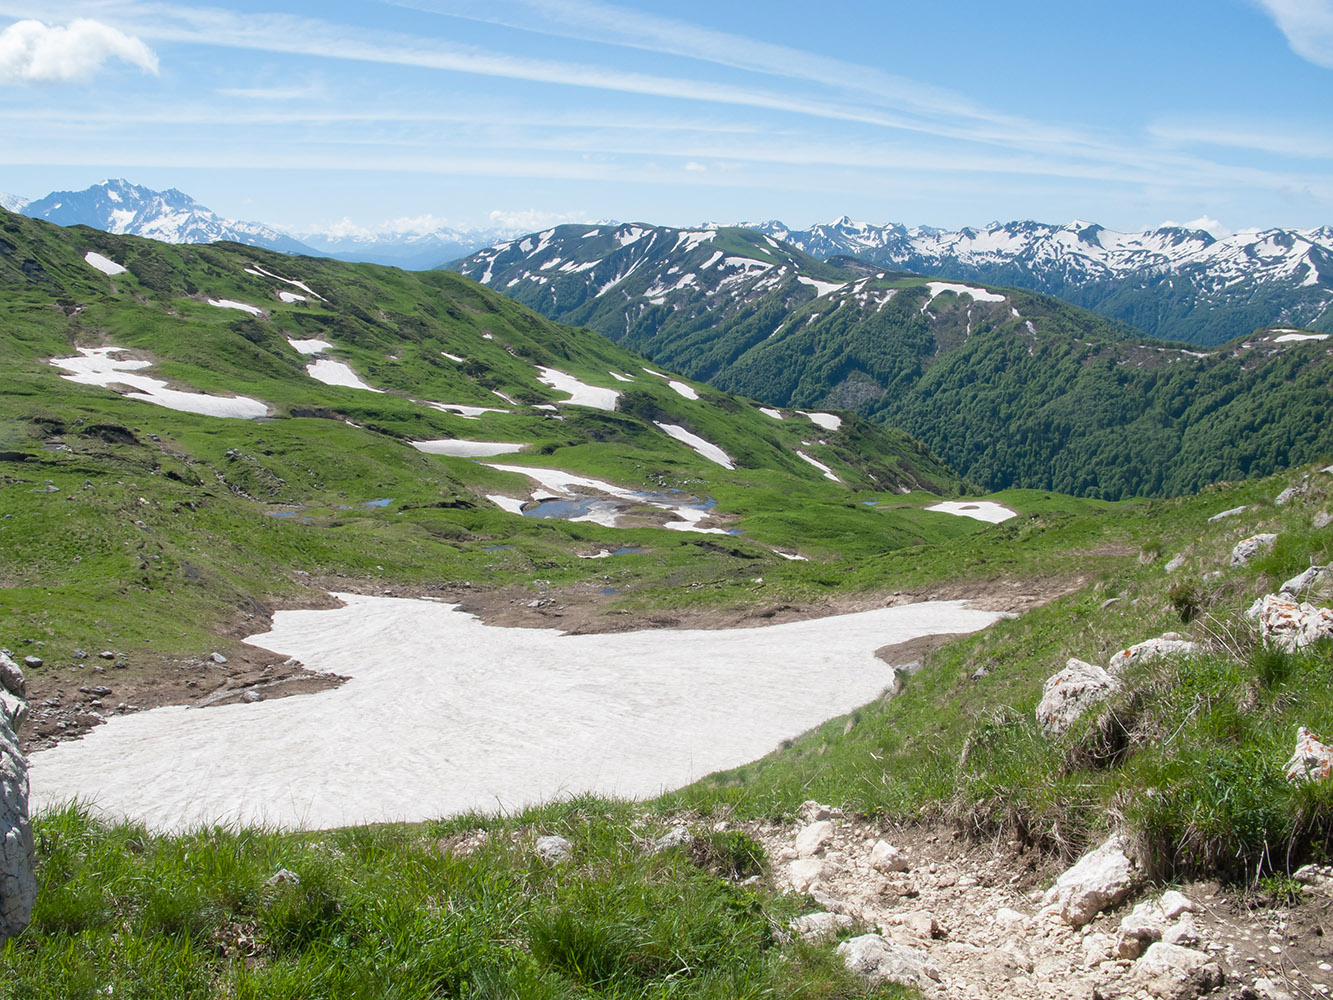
(476, 112)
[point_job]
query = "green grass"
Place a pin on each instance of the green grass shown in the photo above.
(406, 912)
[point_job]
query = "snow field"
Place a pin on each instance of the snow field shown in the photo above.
(233, 304)
(458, 448)
(97, 367)
(979, 510)
(580, 393)
(444, 714)
(336, 373)
(708, 450)
(104, 264)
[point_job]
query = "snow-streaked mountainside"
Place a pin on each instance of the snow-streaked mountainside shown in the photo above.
(12, 202)
(117, 206)
(1172, 282)
(1011, 387)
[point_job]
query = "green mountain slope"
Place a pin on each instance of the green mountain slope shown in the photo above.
(149, 526)
(1013, 388)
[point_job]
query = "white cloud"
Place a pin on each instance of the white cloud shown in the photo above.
(693, 165)
(1308, 25)
(32, 52)
(530, 220)
(1206, 223)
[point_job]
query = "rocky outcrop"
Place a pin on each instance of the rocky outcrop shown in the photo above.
(1315, 580)
(1292, 625)
(1068, 694)
(1100, 879)
(1170, 644)
(1247, 548)
(18, 884)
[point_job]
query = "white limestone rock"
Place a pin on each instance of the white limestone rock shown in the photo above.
(1151, 649)
(1322, 520)
(816, 926)
(1312, 761)
(881, 961)
(1293, 625)
(1227, 513)
(1316, 578)
(554, 849)
(1068, 694)
(1247, 548)
(1175, 563)
(1288, 495)
(1173, 973)
(813, 838)
(884, 857)
(1100, 879)
(805, 873)
(18, 884)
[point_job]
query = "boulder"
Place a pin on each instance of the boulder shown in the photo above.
(805, 873)
(1317, 877)
(1175, 563)
(1303, 582)
(881, 961)
(884, 857)
(554, 849)
(1152, 649)
(1227, 513)
(1068, 694)
(1288, 495)
(814, 926)
(18, 883)
(1312, 761)
(1157, 920)
(1174, 973)
(1247, 548)
(812, 839)
(1099, 879)
(1322, 520)
(1293, 625)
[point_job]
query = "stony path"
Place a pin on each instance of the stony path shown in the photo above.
(967, 922)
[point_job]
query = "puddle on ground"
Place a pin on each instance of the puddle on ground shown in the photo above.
(384, 502)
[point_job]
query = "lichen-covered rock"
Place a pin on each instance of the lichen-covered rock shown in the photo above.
(1293, 625)
(1247, 548)
(18, 884)
(1068, 694)
(1099, 879)
(1312, 761)
(1151, 649)
(881, 961)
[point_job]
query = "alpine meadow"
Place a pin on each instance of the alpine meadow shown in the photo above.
(448, 553)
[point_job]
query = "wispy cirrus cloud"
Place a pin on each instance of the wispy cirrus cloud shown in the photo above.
(1308, 25)
(34, 52)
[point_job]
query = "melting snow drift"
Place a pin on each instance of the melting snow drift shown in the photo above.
(443, 714)
(336, 373)
(458, 448)
(980, 510)
(707, 449)
(97, 367)
(104, 264)
(580, 393)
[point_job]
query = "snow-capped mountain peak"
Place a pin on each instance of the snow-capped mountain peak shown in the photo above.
(12, 202)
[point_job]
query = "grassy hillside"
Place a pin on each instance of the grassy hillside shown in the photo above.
(1012, 388)
(149, 527)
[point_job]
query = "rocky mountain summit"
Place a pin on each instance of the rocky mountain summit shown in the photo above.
(1170, 282)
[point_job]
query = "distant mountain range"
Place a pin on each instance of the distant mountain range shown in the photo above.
(1011, 387)
(1172, 282)
(117, 206)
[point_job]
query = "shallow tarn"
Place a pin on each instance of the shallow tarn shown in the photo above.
(444, 714)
